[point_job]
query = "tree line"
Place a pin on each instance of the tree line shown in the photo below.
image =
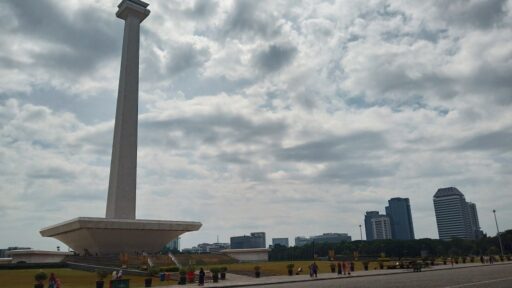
(396, 248)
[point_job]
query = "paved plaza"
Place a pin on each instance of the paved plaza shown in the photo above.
(464, 275)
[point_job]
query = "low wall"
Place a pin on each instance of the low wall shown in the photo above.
(37, 256)
(248, 255)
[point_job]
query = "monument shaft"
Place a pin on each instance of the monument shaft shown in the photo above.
(120, 232)
(123, 168)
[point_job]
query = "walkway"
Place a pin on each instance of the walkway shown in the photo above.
(233, 280)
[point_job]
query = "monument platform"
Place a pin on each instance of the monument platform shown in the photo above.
(113, 236)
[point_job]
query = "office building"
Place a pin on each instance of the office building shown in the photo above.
(399, 213)
(381, 227)
(453, 214)
(174, 244)
(331, 238)
(324, 238)
(255, 240)
(301, 241)
(368, 224)
(280, 241)
(475, 224)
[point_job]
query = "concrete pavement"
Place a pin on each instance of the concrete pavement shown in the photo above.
(234, 280)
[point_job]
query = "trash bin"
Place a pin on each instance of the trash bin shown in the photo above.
(120, 283)
(162, 276)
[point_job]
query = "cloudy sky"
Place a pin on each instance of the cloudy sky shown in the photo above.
(289, 117)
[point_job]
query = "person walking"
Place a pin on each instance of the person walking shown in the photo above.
(201, 277)
(52, 281)
(315, 269)
(310, 267)
(339, 268)
(345, 268)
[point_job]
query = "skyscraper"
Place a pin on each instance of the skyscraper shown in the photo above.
(473, 217)
(399, 213)
(255, 240)
(381, 227)
(452, 214)
(368, 228)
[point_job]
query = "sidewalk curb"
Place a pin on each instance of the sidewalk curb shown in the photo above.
(354, 276)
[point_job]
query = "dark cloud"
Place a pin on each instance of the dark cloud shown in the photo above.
(184, 57)
(247, 20)
(52, 172)
(334, 149)
(492, 141)
(356, 172)
(82, 38)
(275, 57)
(475, 13)
(492, 80)
(202, 9)
(216, 128)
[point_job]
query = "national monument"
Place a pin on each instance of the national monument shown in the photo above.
(119, 231)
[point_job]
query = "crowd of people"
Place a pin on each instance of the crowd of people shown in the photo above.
(343, 268)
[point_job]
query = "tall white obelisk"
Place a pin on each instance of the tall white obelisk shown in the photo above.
(119, 231)
(123, 167)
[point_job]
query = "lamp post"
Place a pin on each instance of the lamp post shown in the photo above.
(498, 229)
(360, 232)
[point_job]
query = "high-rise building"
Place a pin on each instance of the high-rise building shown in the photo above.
(301, 241)
(473, 217)
(324, 238)
(381, 227)
(399, 213)
(280, 241)
(174, 244)
(255, 240)
(368, 224)
(452, 214)
(331, 238)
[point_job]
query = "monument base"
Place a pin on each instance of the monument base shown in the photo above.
(102, 236)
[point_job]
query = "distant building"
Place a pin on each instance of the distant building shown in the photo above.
(301, 241)
(280, 241)
(381, 227)
(212, 247)
(3, 252)
(324, 238)
(174, 244)
(368, 224)
(255, 240)
(473, 217)
(399, 213)
(207, 248)
(331, 238)
(453, 215)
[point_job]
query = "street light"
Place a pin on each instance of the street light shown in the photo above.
(498, 229)
(360, 232)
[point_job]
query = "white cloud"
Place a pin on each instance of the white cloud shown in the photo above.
(279, 116)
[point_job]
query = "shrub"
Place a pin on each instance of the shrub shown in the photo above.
(172, 269)
(215, 270)
(153, 271)
(101, 274)
(40, 277)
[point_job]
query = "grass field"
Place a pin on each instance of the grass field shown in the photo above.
(69, 278)
(279, 268)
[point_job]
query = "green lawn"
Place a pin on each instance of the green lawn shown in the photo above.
(69, 278)
(279, 268)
